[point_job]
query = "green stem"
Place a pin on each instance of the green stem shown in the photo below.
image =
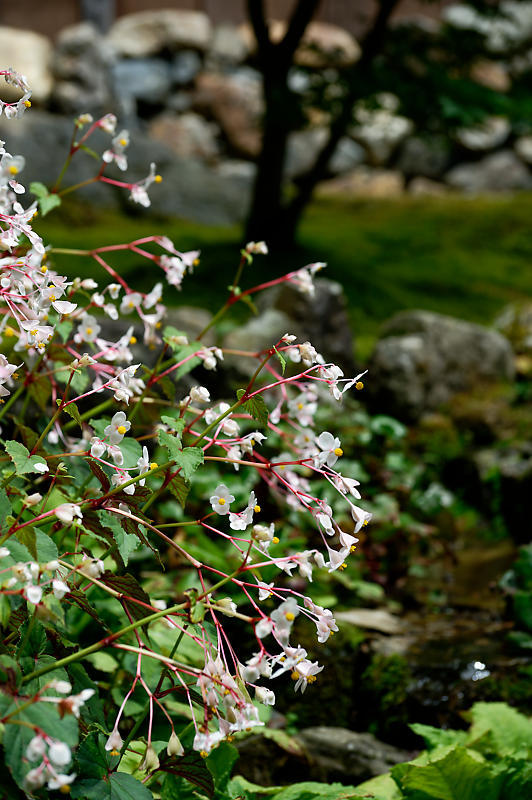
(93, 412)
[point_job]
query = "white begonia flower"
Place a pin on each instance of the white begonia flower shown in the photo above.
(264, 695)
(4, 552)
(108, 123)
(330, 447)
(257, 248)
(32, 499)
(114, 742)
(154, 296)
(88, 329)
(263, 628)
(118, 428)
(36, 748)
(92, 567)
(114, 452)
(199, 394)
(59, 754)
(61, 782)
(35, 779)
(41, 466)
(119, 478)
(116, 151)
(288, 338)
(130, 302)
(309, 354)
(345, 485)
(143, 463)
(33, 594)
(265, 590)
(66, 512)
(98, 448)
(60, 588)
(304, 673)
(221, 500)
(360, 517)
(150, 761)
(63, 687)
(85, 361)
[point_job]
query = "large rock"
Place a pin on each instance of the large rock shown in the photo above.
(30, 54)
(381, 130)
(502, 171)
(304, 147)
(424, 358)
(488, 135)
(81, 65)
(143, 81)
(186, 64)
(147, 33)
(323, 44)
(235, 101)
(523, 148)
(188, 135)
(515, 323)
(322, 319)
(426, 157)
(229, 46)
(503, 31)
(364, 182)
(338, 753)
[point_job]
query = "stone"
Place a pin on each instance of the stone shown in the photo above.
(338, 753)
(488, 135)
(380, 131)
(501, 171)
(147, 33)
(187, 135)
(422, 187)
(422, 359)
(515, 323)
(255, 335)
(491, 74)
(228, 46)
(192, 320)
(424, 156)
(323, 319)
(29, 53)
(512, 464)
(302, 149)
(375, 619)
(82, 69)
(185, 66)
(145, 80)
(44, 140)
(511, 27)
(235, 101)
(323, 44)
(523, 148)
(347, 156)
(364, 182)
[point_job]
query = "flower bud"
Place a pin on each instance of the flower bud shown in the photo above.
(174, 748)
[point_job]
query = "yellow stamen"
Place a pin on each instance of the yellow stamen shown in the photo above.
(352, 548)
(359, 385)
(311, 679)
(65, 788)
(27, 103)
(133, 340)
(195, 262)
(275, 540)
(88, 331)
(158, 178)
(290, 616)
(13, 169)
(342, 566)
(53, 298)
(9, 331)
(121, 430)
(123, 142)
(295, 675)
(300, 406)
(256, 509)
(221, 501)
(34, 332)
(44, 269)
(338, 451)
(157, 325)
(154, 465)
(131, 305)
(203, 753)
(115, 752)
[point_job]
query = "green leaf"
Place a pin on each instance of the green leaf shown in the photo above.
(132, 451)
(522, 603)
(510, 731)
(28, 538)
(5, 506)
(459, 775)
(20, 456)
(126, 542)
(175, 423)
(255, 406)
(170, 442)
(118, 786)
(192, 767)
(189, 459)
(382, 787)
(434, 737)
(72, 410)
(281, 358)
(220, 764)
(308, 790)
(45, 200)
(180, 489)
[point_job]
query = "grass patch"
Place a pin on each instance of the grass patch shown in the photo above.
(456, 255)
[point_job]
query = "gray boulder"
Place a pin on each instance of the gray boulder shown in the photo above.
(147, 33)
(426, 157)
(144, 80)
(185, 66)
(338, 753)
(29, 53)
(423, 358)
(81, 65)
(188, 135)
(502, 171)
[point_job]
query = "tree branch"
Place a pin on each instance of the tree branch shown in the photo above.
(259, 25)
(370, 44)
(301, 16)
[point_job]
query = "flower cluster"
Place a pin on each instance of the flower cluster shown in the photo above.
(115, 436)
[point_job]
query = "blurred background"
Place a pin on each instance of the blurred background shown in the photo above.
(393, 140)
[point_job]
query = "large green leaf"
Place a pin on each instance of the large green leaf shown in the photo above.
(255, 406)
(5, 506)
(510, 731)
(434, 737)
(220, 764)
(383, 787)
(309, 790)
(20, 456)
(118, 786)
(126, 542)
(459, 775)
(189, 459)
